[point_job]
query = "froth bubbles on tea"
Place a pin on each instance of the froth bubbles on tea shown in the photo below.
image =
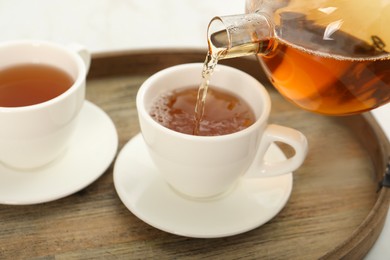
(30, 84)
(224, 112)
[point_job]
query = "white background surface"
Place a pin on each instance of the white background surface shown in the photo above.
(105, 25)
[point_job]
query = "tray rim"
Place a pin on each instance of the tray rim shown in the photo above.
(358, 243)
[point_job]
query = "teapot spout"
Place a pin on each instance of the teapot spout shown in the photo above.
(240, 35)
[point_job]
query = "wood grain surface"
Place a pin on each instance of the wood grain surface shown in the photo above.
(335, 209)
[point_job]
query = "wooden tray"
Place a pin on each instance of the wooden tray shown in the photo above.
(336, 209)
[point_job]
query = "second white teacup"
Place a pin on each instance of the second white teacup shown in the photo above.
(35, 133)
(206, 166)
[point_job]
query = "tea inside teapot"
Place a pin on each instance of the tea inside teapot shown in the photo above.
(327, 57)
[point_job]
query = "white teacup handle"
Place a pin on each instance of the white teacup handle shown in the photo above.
(292, 137)
(83, 53)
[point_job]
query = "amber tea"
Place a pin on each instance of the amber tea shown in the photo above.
(224, 112)
(355, 77)
(29, 84)
(335, 74)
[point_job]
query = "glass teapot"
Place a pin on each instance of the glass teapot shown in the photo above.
(326, 56)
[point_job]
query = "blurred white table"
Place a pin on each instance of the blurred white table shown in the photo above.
(106, 25)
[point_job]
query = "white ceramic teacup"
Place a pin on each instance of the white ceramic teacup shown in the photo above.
(206, 166)
(34, 135)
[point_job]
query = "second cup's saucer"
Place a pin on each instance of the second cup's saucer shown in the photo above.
(144, 192)
(91, 150)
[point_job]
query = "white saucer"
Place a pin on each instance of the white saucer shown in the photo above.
(91, 151)
(250, 204)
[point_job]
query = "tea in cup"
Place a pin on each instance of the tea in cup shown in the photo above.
(42, 90)
(205, 166)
